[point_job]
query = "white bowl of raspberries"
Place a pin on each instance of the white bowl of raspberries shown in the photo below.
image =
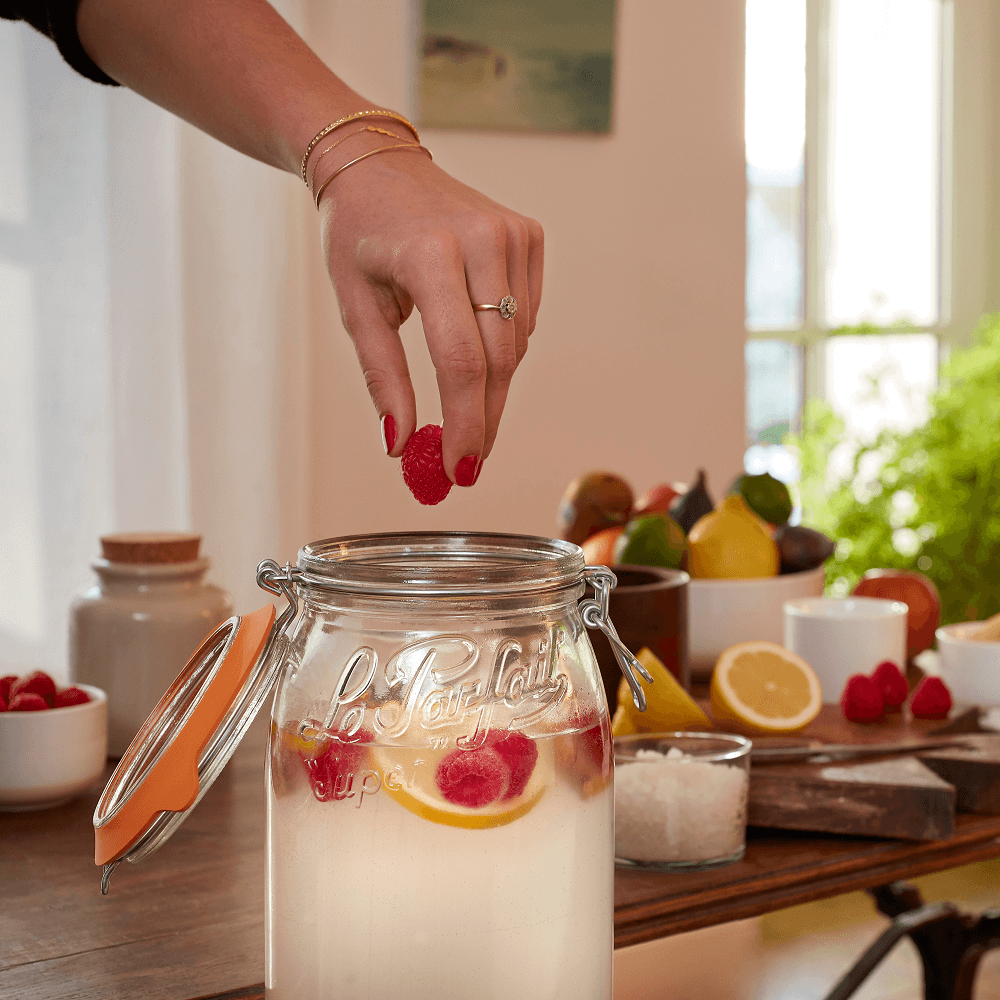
(53, 741)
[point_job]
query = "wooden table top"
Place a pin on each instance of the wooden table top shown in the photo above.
(188, 921)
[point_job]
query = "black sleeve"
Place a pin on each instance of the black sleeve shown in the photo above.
(57, 19)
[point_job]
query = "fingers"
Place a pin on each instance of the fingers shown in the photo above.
(383, 361)
(435, 279)
(536, 255)
(498, 267)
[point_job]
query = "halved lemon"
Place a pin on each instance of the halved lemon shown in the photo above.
(761, 687)
(668, 706)
(408, 777)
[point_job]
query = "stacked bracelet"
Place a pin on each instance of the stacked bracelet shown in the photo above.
(333, 145)
(364, 156)
(378, 113)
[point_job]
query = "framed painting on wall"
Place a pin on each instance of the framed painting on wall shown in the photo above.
(530, 65)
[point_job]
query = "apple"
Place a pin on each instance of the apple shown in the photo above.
(917, 592)
(656, 500)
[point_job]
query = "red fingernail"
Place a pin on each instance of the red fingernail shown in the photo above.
(466, 470)
(388, 432)
(479, 468)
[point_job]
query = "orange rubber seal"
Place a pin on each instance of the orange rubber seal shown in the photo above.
(172, 783)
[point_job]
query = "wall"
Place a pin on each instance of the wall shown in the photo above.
(637, 361)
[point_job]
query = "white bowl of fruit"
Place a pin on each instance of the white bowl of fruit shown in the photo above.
(54, 741)
(743, 557)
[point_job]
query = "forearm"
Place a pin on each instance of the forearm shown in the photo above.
(233, 68)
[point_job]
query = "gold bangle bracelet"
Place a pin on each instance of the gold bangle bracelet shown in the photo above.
(364, 156)
(333, 145)
(377, 112)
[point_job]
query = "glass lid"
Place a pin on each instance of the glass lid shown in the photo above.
(187, 739)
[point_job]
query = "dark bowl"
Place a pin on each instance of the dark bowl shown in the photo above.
(648, 608)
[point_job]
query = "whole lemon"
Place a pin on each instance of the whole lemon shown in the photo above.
(731, 543)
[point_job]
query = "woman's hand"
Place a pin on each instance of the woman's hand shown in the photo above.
(399, 232)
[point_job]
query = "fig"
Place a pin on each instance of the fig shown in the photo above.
(694, 504)
(592, 503)
(802, 548)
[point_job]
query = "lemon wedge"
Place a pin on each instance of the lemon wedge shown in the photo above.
(623, 722)
(668, 706)
(761, 687)
(408, 777)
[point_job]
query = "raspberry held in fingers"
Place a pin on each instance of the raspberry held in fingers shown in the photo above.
(423, 467)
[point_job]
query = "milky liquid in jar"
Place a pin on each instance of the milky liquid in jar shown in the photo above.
(440, 805)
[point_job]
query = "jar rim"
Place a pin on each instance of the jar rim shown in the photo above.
(440, 564)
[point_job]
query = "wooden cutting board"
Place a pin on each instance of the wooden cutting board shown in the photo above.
(905, 796)
(975, 773)
(895, 797)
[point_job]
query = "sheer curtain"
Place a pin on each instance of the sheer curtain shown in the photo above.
(151, 343)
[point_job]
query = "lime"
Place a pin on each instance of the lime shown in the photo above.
(766, 496)
(651, 540)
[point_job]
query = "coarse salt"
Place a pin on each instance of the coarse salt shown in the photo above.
(674, 807)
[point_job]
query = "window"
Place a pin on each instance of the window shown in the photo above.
(847, 138)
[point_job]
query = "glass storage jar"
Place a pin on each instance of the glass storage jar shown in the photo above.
(440, 809)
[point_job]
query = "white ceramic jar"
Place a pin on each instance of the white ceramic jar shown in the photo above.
(133, 630)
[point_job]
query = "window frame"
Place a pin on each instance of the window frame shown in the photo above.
(970, 87)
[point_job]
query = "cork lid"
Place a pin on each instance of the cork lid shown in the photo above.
(151, 547)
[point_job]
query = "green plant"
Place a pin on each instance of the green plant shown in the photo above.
(927, 500)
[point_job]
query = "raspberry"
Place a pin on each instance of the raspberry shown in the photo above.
(423, 468)
(70, 696)
(520, 754)
(330, 771)
(37, 683)
(473, 778)
(5, 683)
(3, 703)
(931, 700)
(28, 702)
(598, 747)
(892, 683)
(861, 699)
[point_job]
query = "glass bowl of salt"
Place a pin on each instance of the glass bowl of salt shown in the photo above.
(680, 800)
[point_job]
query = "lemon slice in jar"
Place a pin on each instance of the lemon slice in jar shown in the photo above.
(412, 778)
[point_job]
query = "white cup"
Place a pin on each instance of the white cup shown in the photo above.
(841, 637)
(970, 668)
